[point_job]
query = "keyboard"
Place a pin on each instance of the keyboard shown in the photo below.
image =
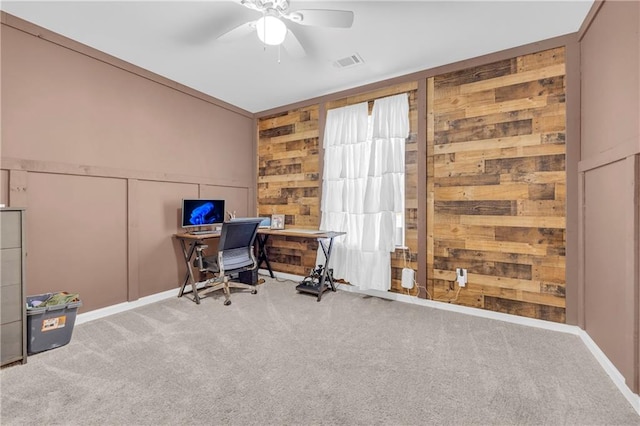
(204, 232)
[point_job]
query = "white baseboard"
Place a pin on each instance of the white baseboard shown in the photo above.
(611, 370)
(125, 306)
(605, 363)
(281, 275)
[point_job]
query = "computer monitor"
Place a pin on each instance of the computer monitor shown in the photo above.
(202, 212)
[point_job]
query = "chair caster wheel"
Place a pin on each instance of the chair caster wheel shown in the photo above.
(254, 291)
(227, 302)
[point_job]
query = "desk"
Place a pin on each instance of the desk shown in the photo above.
(188, 243)
(320, 236)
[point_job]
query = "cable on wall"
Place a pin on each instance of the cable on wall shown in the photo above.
(416, 284)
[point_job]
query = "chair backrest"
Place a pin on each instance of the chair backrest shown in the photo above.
(238, 233)
(235, 249)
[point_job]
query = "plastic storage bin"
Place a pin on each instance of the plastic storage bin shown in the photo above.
(49, 326)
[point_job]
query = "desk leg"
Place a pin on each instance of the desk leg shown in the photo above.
(188, 278)
(262, 252)
(325, 270)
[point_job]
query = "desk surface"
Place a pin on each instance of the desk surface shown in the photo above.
(189, 236)
(299, 233)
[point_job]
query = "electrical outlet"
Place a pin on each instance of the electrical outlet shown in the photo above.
(461, 277)
(408, 275)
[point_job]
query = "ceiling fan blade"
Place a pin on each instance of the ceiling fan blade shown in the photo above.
(292, 45)
(322, 17)
(238, 32)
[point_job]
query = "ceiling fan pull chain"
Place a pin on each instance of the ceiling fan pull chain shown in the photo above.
(264, 31)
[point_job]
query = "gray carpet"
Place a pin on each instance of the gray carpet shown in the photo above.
(280, 357)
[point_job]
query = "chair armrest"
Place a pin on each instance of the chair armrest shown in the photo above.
(199, 256)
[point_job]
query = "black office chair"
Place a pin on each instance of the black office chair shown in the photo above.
(235, 255)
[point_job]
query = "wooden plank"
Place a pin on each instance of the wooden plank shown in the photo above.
(270, 152)
(541, 59)
(448, 244)
(489, 256)
(542, 87)
(543, 299)
(527, 309)
(510, 79)
(555, 289)
(491, 131)
(534, 177)
(287, 118)
(483, 179)
(510, 191)
(561, 191)
(307, 134)
(498, 269)
(475, 75)
(507, 246)
(449, 167)
(453, 231)
(456, 121)
(273, 168)
(466, 101)
(507, 106)
(545, 191)
(551, 260)
(445, 218)
(488, 144)
(545, 208)
(480, 207)
(307, 126)
(277, 131)
(544, 236)
(543, 163)
(549, 274)
(517, 221)
(511, 152)
(304, 177)
(442, 120)
(503, 282)
(490, 281)
(446, 92)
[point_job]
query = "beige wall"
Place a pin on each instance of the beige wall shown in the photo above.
(158, 215)
(101, 153)
(77, 237)
(61, 106)
(610, 148)
(4, 187)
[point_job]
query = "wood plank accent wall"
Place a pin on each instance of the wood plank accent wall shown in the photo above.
(289, 183)
(497, 185)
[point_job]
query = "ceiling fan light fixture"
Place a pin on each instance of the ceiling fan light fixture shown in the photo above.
(271, 30)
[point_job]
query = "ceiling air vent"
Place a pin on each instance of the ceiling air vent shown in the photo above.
(349, 61)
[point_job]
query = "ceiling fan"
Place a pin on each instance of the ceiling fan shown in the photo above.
(271, 30)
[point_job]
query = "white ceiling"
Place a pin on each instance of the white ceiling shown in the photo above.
(177, 39)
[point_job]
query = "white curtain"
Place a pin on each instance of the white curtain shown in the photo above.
(363, 188)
